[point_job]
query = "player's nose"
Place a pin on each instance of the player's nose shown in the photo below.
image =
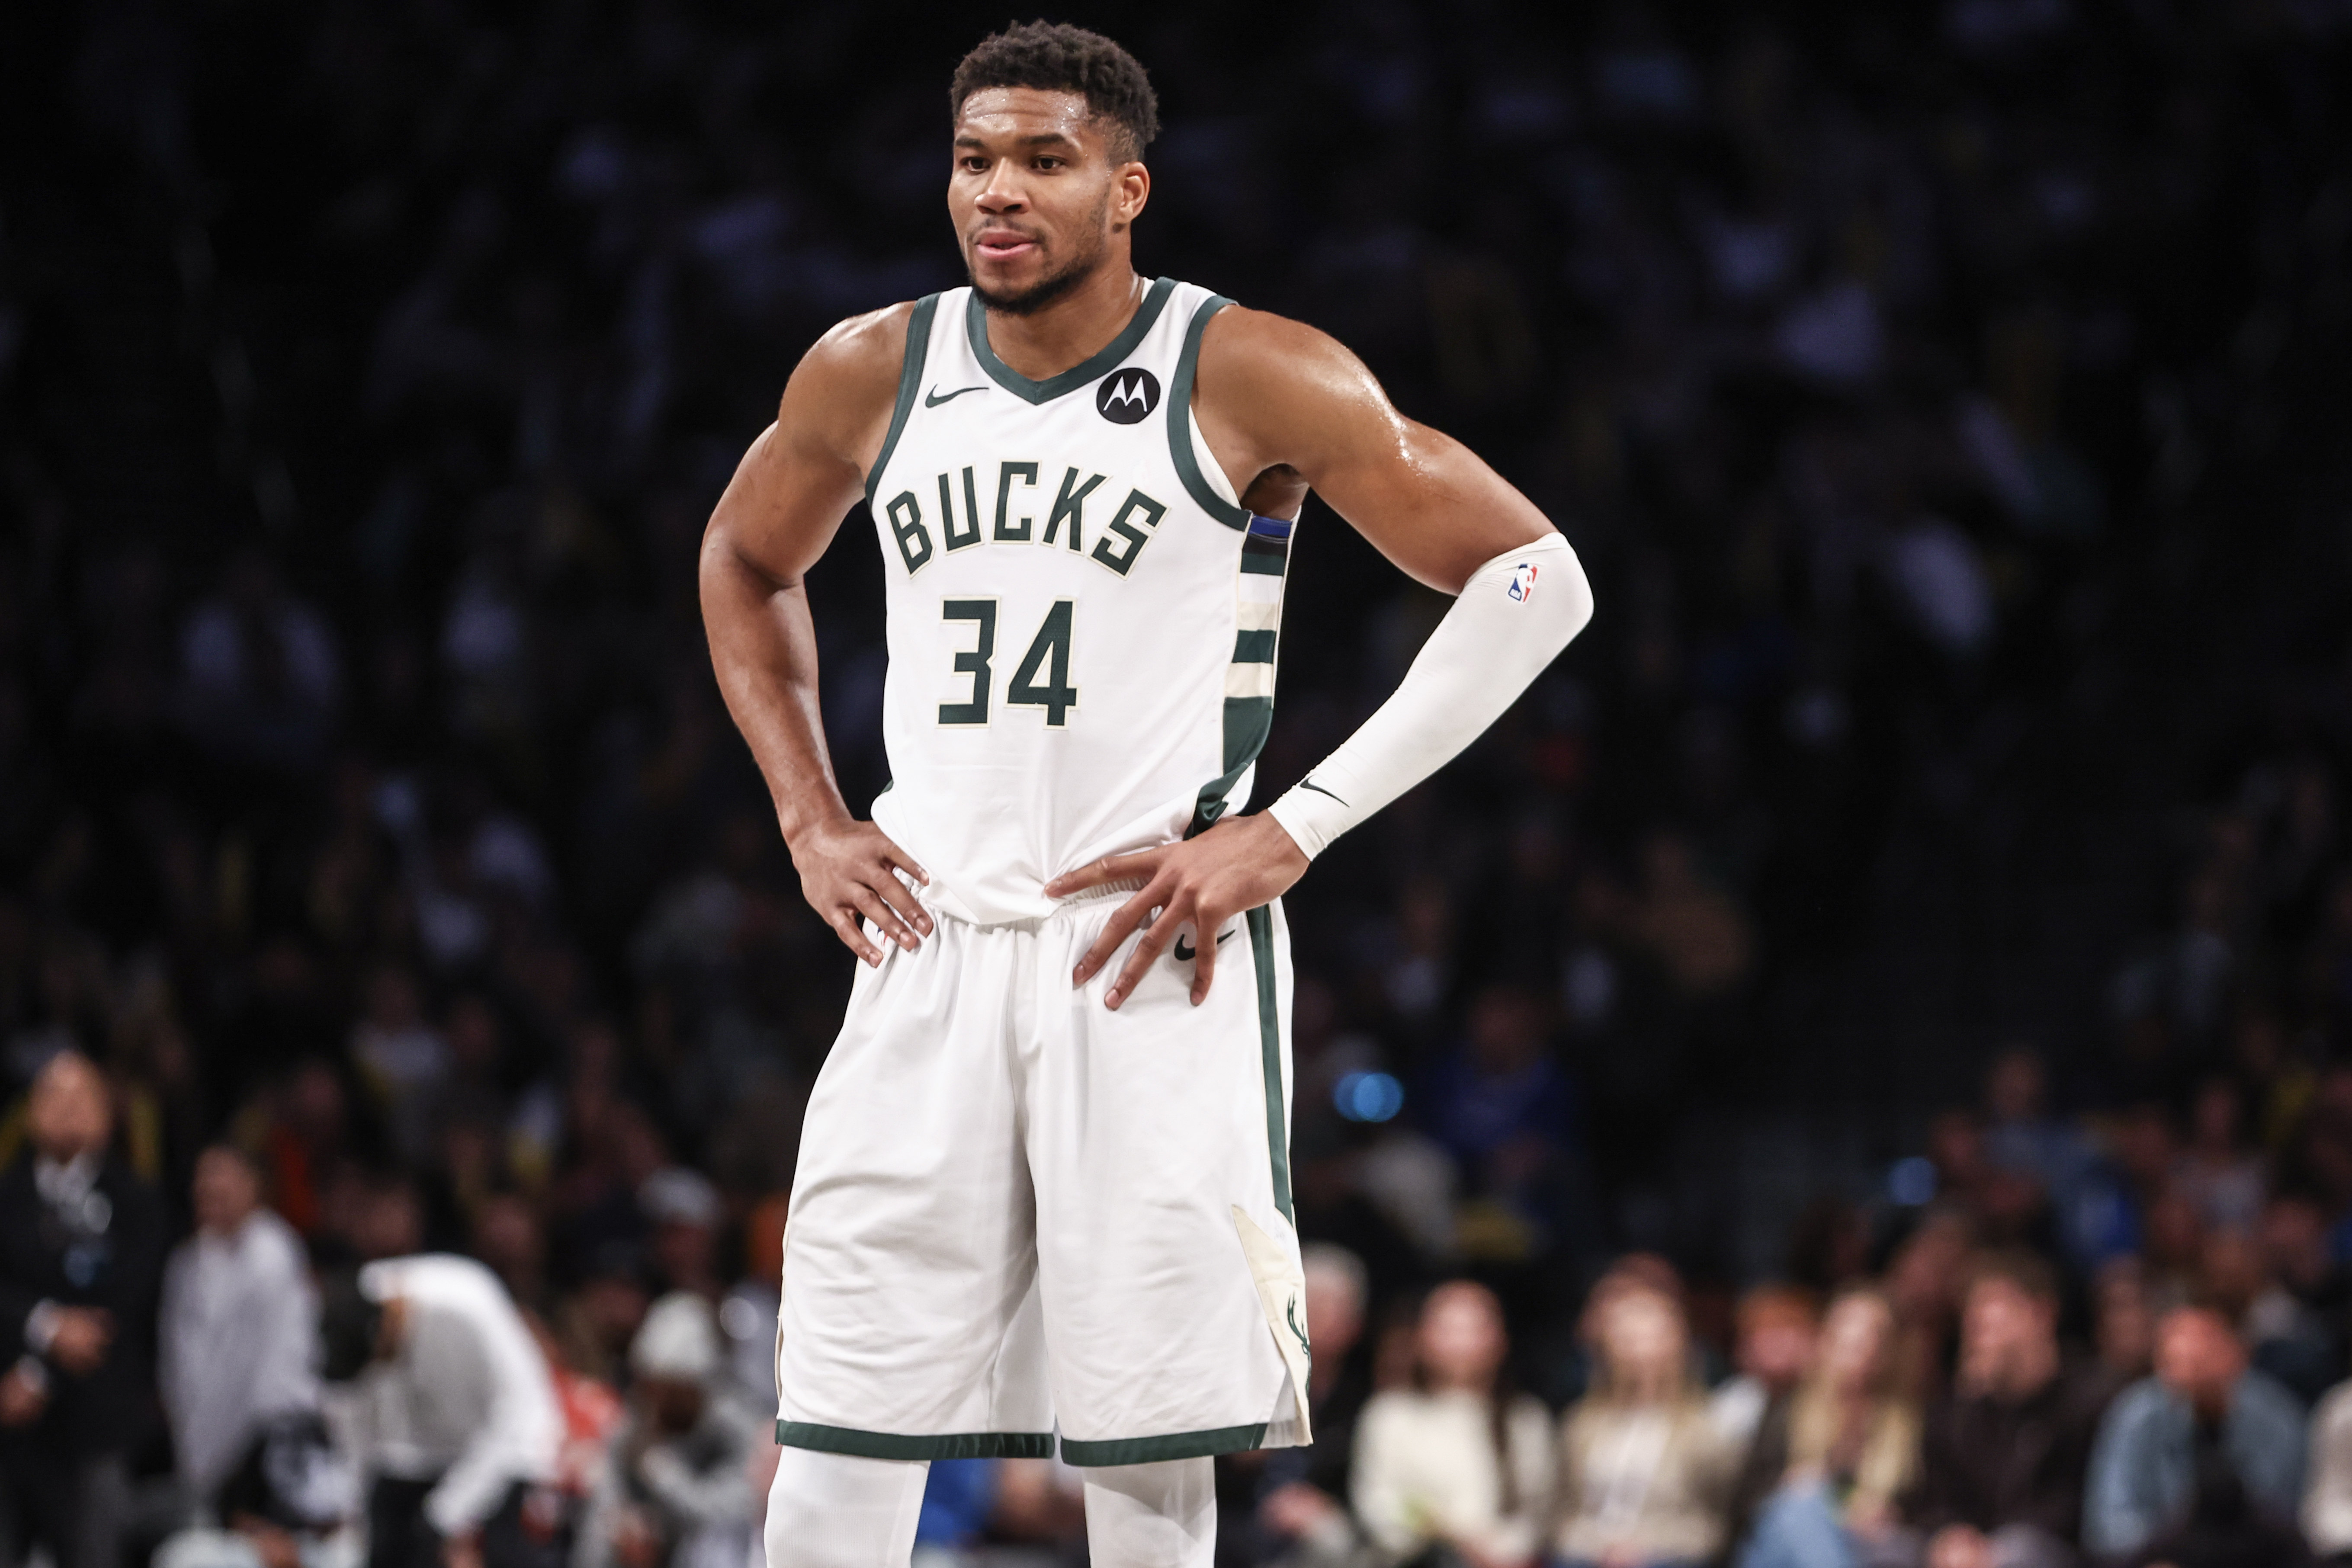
(1002, 194)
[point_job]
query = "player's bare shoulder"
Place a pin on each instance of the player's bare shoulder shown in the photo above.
(841, 394)
(1270, 365)
(804, 472)
(1274, 394)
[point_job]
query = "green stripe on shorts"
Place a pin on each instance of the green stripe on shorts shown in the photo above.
(1269, 1040)
(899, 1445)
(1176, 1445)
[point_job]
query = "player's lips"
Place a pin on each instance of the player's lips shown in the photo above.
(1003, 244)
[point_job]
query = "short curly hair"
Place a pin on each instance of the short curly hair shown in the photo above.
(1058, 58)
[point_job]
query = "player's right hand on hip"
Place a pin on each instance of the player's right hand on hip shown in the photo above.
(849, 874)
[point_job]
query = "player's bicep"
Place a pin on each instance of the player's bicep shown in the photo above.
(782, 506)
(1430, 504)
(1292, 395)
(804, 472)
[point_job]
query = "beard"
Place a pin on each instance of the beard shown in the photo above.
(1055, 284)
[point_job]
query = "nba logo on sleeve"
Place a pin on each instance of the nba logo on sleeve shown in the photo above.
(1523, 583)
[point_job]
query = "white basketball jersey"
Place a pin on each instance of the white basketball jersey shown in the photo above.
(1082, 616)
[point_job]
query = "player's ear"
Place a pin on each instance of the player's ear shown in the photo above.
(1134, 189)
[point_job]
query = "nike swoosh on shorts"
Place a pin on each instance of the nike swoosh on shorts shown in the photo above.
(1185, 954)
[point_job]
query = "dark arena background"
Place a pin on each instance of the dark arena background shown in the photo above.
(1936, 849)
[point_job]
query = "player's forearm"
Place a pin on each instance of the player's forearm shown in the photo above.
(763, 652)
(1512, 619)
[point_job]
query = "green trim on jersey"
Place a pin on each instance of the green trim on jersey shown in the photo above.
(894, 1445)
(975, 319)
(1175, 1445)
(1247, 722)
(1180, 423)
(911, 382)
(1265, 557)
(1269, 1036)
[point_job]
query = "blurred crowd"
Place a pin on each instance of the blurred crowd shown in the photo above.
(406, 1006)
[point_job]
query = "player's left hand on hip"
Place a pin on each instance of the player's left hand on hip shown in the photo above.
(1240, 864)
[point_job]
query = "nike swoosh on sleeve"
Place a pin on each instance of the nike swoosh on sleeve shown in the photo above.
(932, 399)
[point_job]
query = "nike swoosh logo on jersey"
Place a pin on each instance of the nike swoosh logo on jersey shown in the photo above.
(1185, 952)
(932, 399)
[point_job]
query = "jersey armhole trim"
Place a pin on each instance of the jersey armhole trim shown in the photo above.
(1180, 423)
(910, 381)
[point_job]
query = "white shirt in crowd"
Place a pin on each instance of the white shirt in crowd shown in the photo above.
(239, 1323)
(1425, 1470)
(1737, 1408)
(466, 1399)
(2328, 1490)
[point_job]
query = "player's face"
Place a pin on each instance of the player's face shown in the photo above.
(1036, 198)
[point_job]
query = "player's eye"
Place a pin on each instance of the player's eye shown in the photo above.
(1049, 163)
(973, 164)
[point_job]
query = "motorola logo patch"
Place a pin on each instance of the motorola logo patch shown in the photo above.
(1127, 396)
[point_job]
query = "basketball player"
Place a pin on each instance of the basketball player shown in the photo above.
(1043, 1188)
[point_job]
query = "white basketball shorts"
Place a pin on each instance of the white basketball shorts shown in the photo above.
(1018, 1213)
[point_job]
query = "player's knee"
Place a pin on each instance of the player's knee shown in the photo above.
(833, 1510)
(1159, 1515)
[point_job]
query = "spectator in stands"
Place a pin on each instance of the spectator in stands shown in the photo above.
(82, 1255)
(748, 1316)
(402, 1059)
(240, 1324)
(458, 1420)
(2020, 1133)
(292, 1501)
(1645, 1477)
(259, 677)
(1301, 1512)
(1923, 1285)
(1503, 1107)
(1456, 1460)
(2173, 1234)
(2283, 1338)
(676, 1486)
(1848, 1450)
(2089, 1203)
(683, 1211)
(2304, 1265)
(2207, 1454)
(2295, 1312)
(959, 1499)
(2326, 1513)
(2216, 1172)
(2003, 1464)
(2125, 1327)
(1041, 1502)
(1778, 1331)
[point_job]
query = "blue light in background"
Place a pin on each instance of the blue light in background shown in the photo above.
(1368, 1096)
(1912, 1182)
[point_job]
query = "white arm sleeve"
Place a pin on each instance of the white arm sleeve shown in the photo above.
(1513, 617)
